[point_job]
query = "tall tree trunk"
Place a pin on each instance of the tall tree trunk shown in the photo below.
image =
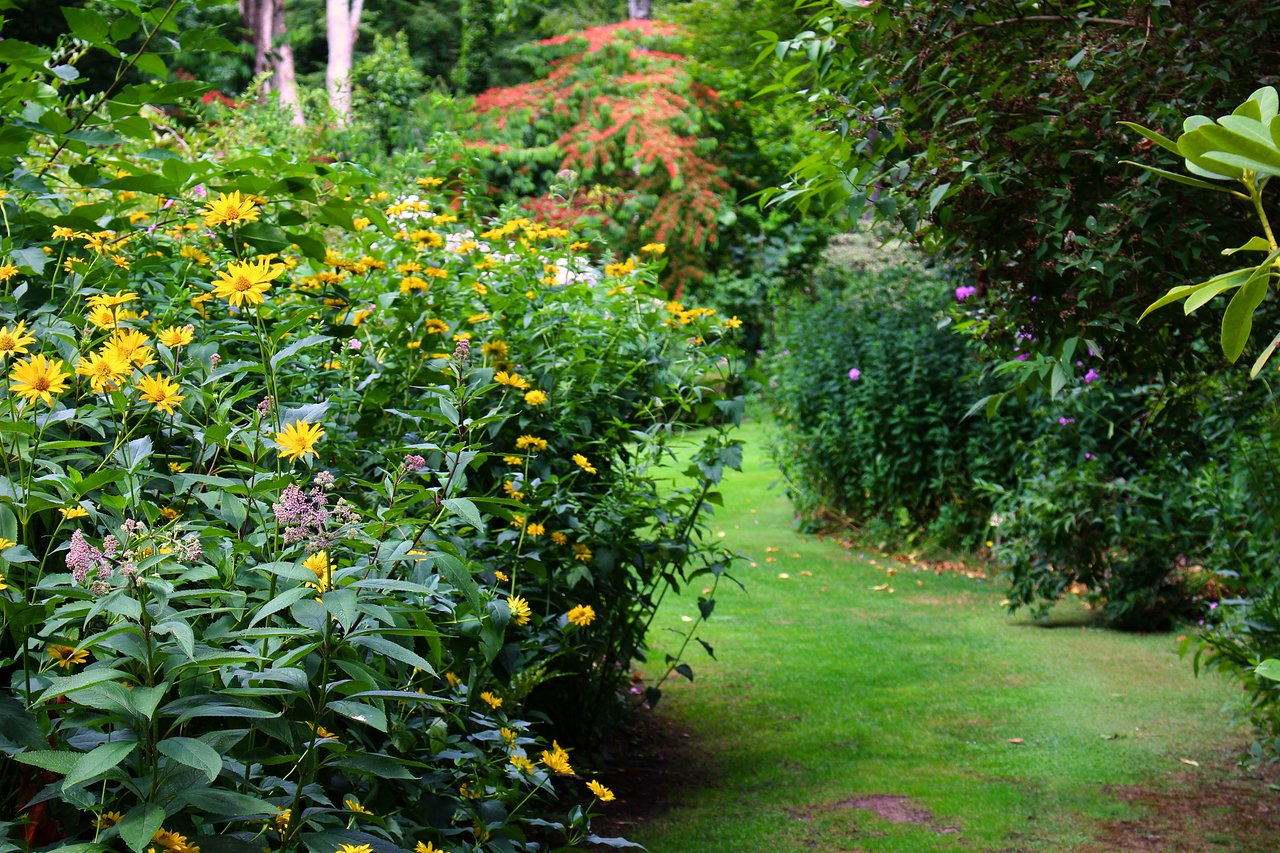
(286, 80)
(343, 22)
(272, 53)
(642, 9)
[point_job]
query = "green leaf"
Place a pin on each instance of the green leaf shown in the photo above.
(81, 680)
(193, 753)
(226, 803)
(98, 761)
(139, 826)
(1163, 141)
(360, 712)
(293, 348)
(1269, 668)
(395, 651)
(1237, 320)
(1182, 179)
(87, 24)
(466, 510)
(60, 761)
(283, 600)
(1255, 244)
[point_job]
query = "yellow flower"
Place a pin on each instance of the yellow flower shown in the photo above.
(508, 735)
(478, 318)
(354, 806)
(322, 732)
(281, 819)
(582, 615)
(14, 342)
(244, 283)
(7, 271)
(66, 656)
(174, 842)
(437, 327)
(168, 513)
(61, 232)
(360, 223)
(520, 611)
(230, 210)
(412, 282)
(493, 701)
(557, 759)
(6, 543)
(512, 492)
(354, 848)
(70, 512)
(513, 460)
(161, 392)
(191, 253)
(108, 819)
(601, 792)
(732, 323)
(319, 564)
(129, 345)
(559, 538)
(38, 378)
(501, 575)
(623, 268)
(511, 379)
(3, 585)
(105, 370)
(583, 463)
(535, 397)
(428, 183)
(177, 336)
(426, 848)
(581, 553)
(452, 678)
(529, 442)
(535, 530)
(298, 439)
(522, 764)
(579, 245)
(654, 248)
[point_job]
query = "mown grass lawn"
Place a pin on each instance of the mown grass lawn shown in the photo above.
(843, 716)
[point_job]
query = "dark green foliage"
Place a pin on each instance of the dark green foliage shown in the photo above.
(471, 74)
(891, 449)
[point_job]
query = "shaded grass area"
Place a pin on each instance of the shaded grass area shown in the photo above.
(855, 710)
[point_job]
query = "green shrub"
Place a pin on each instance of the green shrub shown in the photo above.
(867, 388)
(312, 477)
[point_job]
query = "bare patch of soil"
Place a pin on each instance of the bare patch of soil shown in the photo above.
(1214, 808)
(653, 766)
(891, 807)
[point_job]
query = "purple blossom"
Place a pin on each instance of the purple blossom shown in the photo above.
(1090, 376)
(1023, 357)
(1065, 421)
(412, 462)
(83, 558)
(354, 344)
(964, 292)
(854, 374)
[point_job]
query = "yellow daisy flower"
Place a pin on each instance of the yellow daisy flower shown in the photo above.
(582, 615)
(602, 793)
(38, 378)
(177, 336)
(105, 370)
(66, 656)
(299, 439)
(160, 391)
(230, 210)
(520, 611)
(244, 283)
(14, 342)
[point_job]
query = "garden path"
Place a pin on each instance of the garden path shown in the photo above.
(861, 703)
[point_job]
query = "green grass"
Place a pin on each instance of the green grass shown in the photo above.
(827, 690)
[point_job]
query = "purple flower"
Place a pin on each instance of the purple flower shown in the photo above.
(1065, 421)
(1090, 376)
(854, 374)
(1022, 357)
(964, 292)
(1089, 455)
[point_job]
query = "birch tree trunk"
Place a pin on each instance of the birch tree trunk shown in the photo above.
(272, 53)
(343, 22)
(642, 9)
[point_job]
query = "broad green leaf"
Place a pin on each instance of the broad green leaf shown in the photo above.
(395, 651)
(139, 826)
(226, 803)
(193, 753)
(1237, 321)
(360, 712)
(1269, 668)
(1210, 290)
(466, 510)
(60, 761)
(1254, 244)
(283, 600)
(98, 761)
(79, 681)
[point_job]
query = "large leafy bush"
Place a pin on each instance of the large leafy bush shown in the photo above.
(867, 388)
(313, 477)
